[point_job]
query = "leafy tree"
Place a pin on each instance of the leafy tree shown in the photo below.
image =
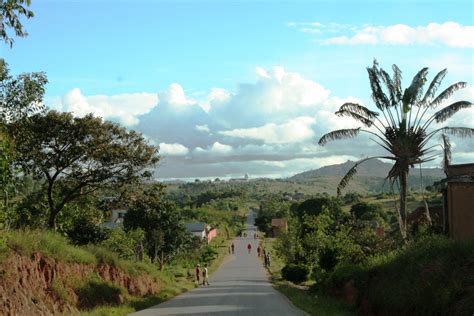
(78, 156)
(366, 211)
(272, 207)
(403, 129)
(10, 13)
(165, 235)
(20, 96)
(127, 245)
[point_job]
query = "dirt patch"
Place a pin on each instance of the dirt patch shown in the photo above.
(39, 285)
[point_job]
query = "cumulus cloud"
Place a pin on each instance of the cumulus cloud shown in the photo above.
(449, 33)
(173, 149)
(267, 127)
(295, 130)
(125, 108)
(203, 128)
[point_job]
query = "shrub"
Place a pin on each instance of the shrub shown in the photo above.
(295, 273)
(85, 232)
(208, 255)
(431, 276)
(95, 292)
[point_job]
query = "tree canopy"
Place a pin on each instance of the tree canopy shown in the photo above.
(76, 156)
(165, 234)
(10, 14)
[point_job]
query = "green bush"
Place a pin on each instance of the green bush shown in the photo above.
(85, 232)
(208, 255)
(295, 273)
(95, 292)
(432, 276)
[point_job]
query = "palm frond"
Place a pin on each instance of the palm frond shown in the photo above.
(391, 87)
(414, 91)
(458, 131)
(397, 80)
(358, 109)
(339, 134)
(367, 122)
(447, 93)
(345, 180)
(352, 171)
(445, 113)
(446, 152)
(434, 85)
(378, 96)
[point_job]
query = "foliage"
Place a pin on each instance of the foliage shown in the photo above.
(85, 232)
(295, 273)
(126, 244)
(271, 207)
(78, 156)
(367, 211)
(430, 276)
(165, 235)
(11, 12)
(94, 291)
(20, 96)
(403, 128)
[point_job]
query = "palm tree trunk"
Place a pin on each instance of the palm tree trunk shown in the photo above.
(403, 203)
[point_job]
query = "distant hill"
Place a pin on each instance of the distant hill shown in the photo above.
(370, 168)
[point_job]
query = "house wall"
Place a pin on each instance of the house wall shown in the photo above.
(212, 233)
(461, 210)
(117, 215)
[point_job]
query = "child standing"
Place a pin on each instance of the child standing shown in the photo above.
(205, 276)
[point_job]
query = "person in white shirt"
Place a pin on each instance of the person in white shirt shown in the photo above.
(205, 275)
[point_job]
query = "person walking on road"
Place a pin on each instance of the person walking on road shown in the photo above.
(232, 247)
(267, 259)
(198, 273)
(258, 251)
(205, 275)
(249, 247)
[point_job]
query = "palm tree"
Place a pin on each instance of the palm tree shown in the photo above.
(403, 129)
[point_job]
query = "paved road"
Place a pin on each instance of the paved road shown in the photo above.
(239, 287)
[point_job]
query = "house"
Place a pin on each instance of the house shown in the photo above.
(458, 194)
(419, 216)
(279, 225)
(116, 219)
(201, 230)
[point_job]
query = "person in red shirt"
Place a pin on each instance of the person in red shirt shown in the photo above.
(249, 247)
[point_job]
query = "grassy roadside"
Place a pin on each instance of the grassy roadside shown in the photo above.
(175, 283)
(299, 295)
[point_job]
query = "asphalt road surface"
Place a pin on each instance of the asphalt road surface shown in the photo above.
(239, 287)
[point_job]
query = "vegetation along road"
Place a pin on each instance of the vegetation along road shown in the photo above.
(239, 287)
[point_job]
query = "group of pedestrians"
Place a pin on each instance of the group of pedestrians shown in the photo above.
(205, 275)
(260, 251)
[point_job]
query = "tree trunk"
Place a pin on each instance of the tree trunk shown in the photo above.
(162, 261)
(403, 203)
(52, 219)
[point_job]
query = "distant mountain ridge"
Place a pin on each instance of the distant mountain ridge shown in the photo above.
(370, 168)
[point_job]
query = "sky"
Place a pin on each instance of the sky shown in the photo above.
(227, 88)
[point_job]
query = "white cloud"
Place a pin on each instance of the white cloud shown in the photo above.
(203, 128)
(295, 130)
(216, 148)
(173, 149)
(122, 107)
(451, 34)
